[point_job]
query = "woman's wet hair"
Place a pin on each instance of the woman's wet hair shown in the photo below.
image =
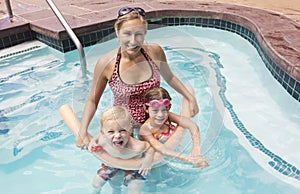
(127, 17)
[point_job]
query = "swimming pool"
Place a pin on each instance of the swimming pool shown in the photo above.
(248, 123)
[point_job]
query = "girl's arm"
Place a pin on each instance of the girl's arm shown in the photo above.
(196, 158)
(126, 164)
(146, 134)
(147, 161)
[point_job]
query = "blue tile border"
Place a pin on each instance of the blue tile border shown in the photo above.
(15, 39)
(67, 45)
(18, 52)
(291, 85)
(275, 161)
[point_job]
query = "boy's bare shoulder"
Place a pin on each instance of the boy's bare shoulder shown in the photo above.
(137, 146)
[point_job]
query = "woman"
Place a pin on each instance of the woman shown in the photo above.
(130, 71)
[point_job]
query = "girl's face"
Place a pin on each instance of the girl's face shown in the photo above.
(158, 115)
(131, 36)
(116, 132)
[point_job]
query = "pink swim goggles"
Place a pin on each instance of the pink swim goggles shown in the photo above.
(156, 103)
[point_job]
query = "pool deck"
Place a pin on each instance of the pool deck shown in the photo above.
(277, 34)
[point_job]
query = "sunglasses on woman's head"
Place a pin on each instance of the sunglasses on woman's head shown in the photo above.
(156, 103)
(127, 10)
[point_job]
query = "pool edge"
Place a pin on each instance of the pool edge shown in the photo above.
(277, 35)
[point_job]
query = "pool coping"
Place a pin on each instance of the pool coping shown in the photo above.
(278, 35)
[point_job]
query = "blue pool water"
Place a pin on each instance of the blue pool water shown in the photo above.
(37, 150)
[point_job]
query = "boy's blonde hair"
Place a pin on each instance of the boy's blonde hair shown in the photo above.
(115, 113)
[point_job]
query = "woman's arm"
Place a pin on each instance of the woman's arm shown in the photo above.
(101, 73)
(193, 128)
(173, 81)
(175, 138)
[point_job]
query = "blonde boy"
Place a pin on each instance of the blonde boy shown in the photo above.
(115, 138)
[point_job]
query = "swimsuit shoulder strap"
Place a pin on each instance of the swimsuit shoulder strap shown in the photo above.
(118, 57)
(170, 126)
(147, 56)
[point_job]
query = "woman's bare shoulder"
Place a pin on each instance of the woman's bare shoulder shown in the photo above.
(155, 51)
(108, 57)
(152, 47)
(106, 62)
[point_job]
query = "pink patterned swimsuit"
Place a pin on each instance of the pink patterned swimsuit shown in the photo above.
(162, 136)
(131, 95)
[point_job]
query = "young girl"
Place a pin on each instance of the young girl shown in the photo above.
(158, 128)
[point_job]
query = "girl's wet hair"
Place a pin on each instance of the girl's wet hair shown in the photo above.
(157, 93)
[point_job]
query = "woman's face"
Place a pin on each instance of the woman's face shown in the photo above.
(131, 36)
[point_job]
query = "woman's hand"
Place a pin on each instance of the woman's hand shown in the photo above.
(195, 152)
(199, 162)
(83, 141)
(92, 145)
(194, 109)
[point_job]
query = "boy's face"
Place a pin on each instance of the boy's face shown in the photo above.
(116, 132)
